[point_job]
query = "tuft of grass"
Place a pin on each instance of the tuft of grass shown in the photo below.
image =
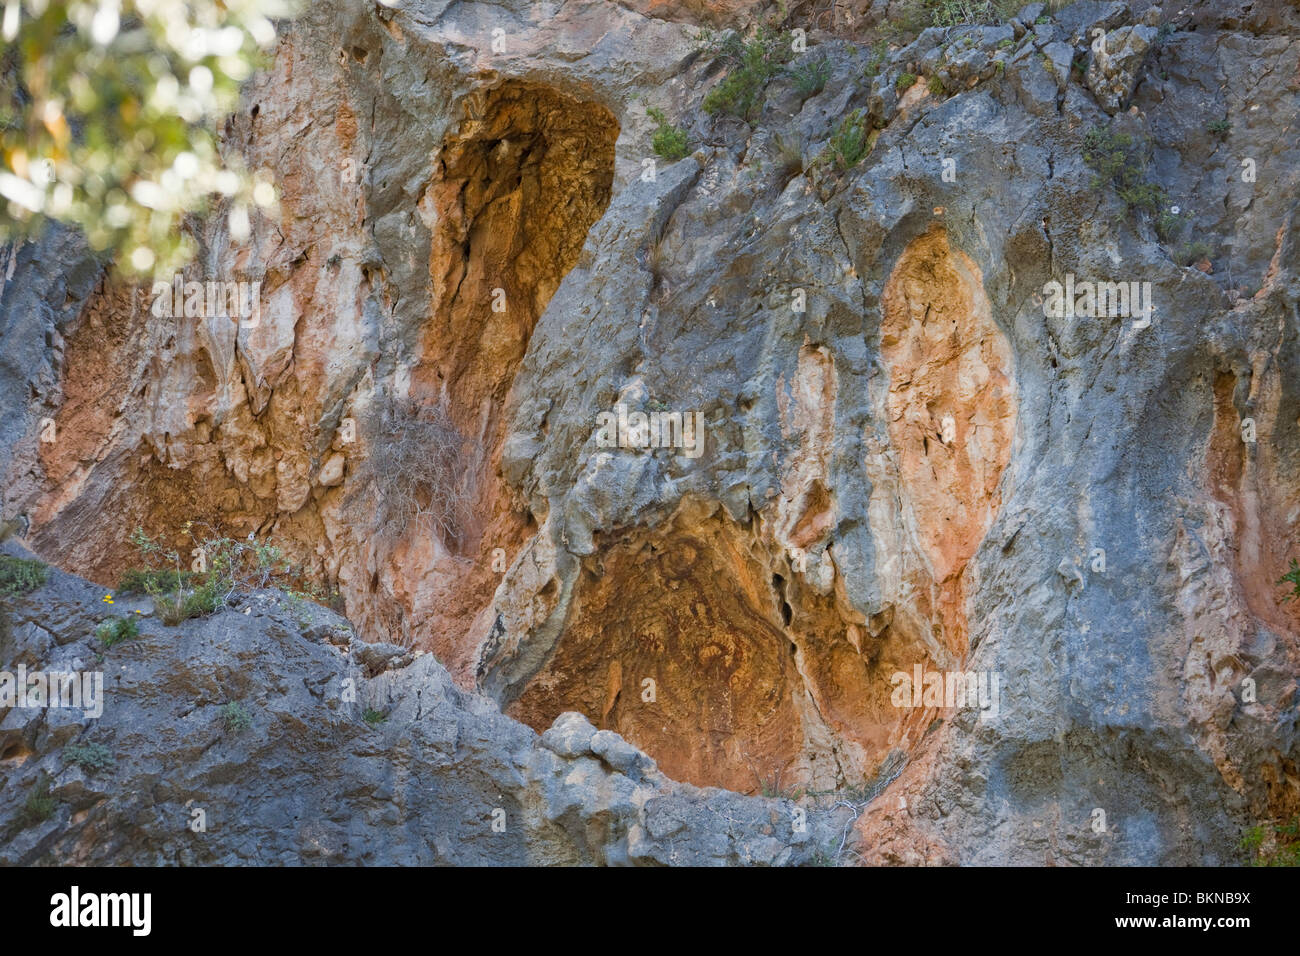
(40, 805)
(668, 141)
(904, 81)
(1274, 844)
(236, 718)
(373, 717)
(89, 757)
(850, 142)
(935, 86)
(20, 575)
(789, 157)
(1119, 160)
(810, 76)
(115, 630)
(1219, 127)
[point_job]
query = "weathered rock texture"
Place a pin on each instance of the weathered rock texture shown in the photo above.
(354, 753)
(906, 462)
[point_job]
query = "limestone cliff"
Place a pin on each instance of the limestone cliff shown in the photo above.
(887, 451)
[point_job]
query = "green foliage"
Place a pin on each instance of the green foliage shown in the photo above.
(810, 76)
(1292, 577)
(116, 630)
(89, 757)
(109, 113)
(1219, 127)
(904, 81)
(373, 717)
(231, 565)
(850, 142)
(935, 86)
(1119, 160)
(19, 575)
(40, 805)
(153, 581)
(751, 64)
(235, 717)
(668, 141)
(1277, 844)
(879, 53)
(951, 13)
(1193, 252)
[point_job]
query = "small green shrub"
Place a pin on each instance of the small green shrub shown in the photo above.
(231, 565)
(153, 581)
(235, 717)
(668, 141)
(904, 81)
(20, 576)
(810, 76)
(850, 142)
(1292, 577)
(1280, 847)
(40, 805)
(951, 13)
(1219, 127)
(89, 757)
(373, 717)
(116, 630)
(751, 64)
(1119, 160)
(935, 86)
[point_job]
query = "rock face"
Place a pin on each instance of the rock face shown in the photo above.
(345, 753)
(881, 457)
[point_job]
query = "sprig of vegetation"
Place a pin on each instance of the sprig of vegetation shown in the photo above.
(810, 76)
(1292, 577)
(751, 64)
(116, 630)
(20, 575)
(229, 565)
(850, 142)
(1275, 844)
(1119, 161)
(90, 757)
(235, 717)
(668, 141)
(39, 805)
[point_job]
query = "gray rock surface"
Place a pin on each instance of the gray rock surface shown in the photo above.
(340, 764)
